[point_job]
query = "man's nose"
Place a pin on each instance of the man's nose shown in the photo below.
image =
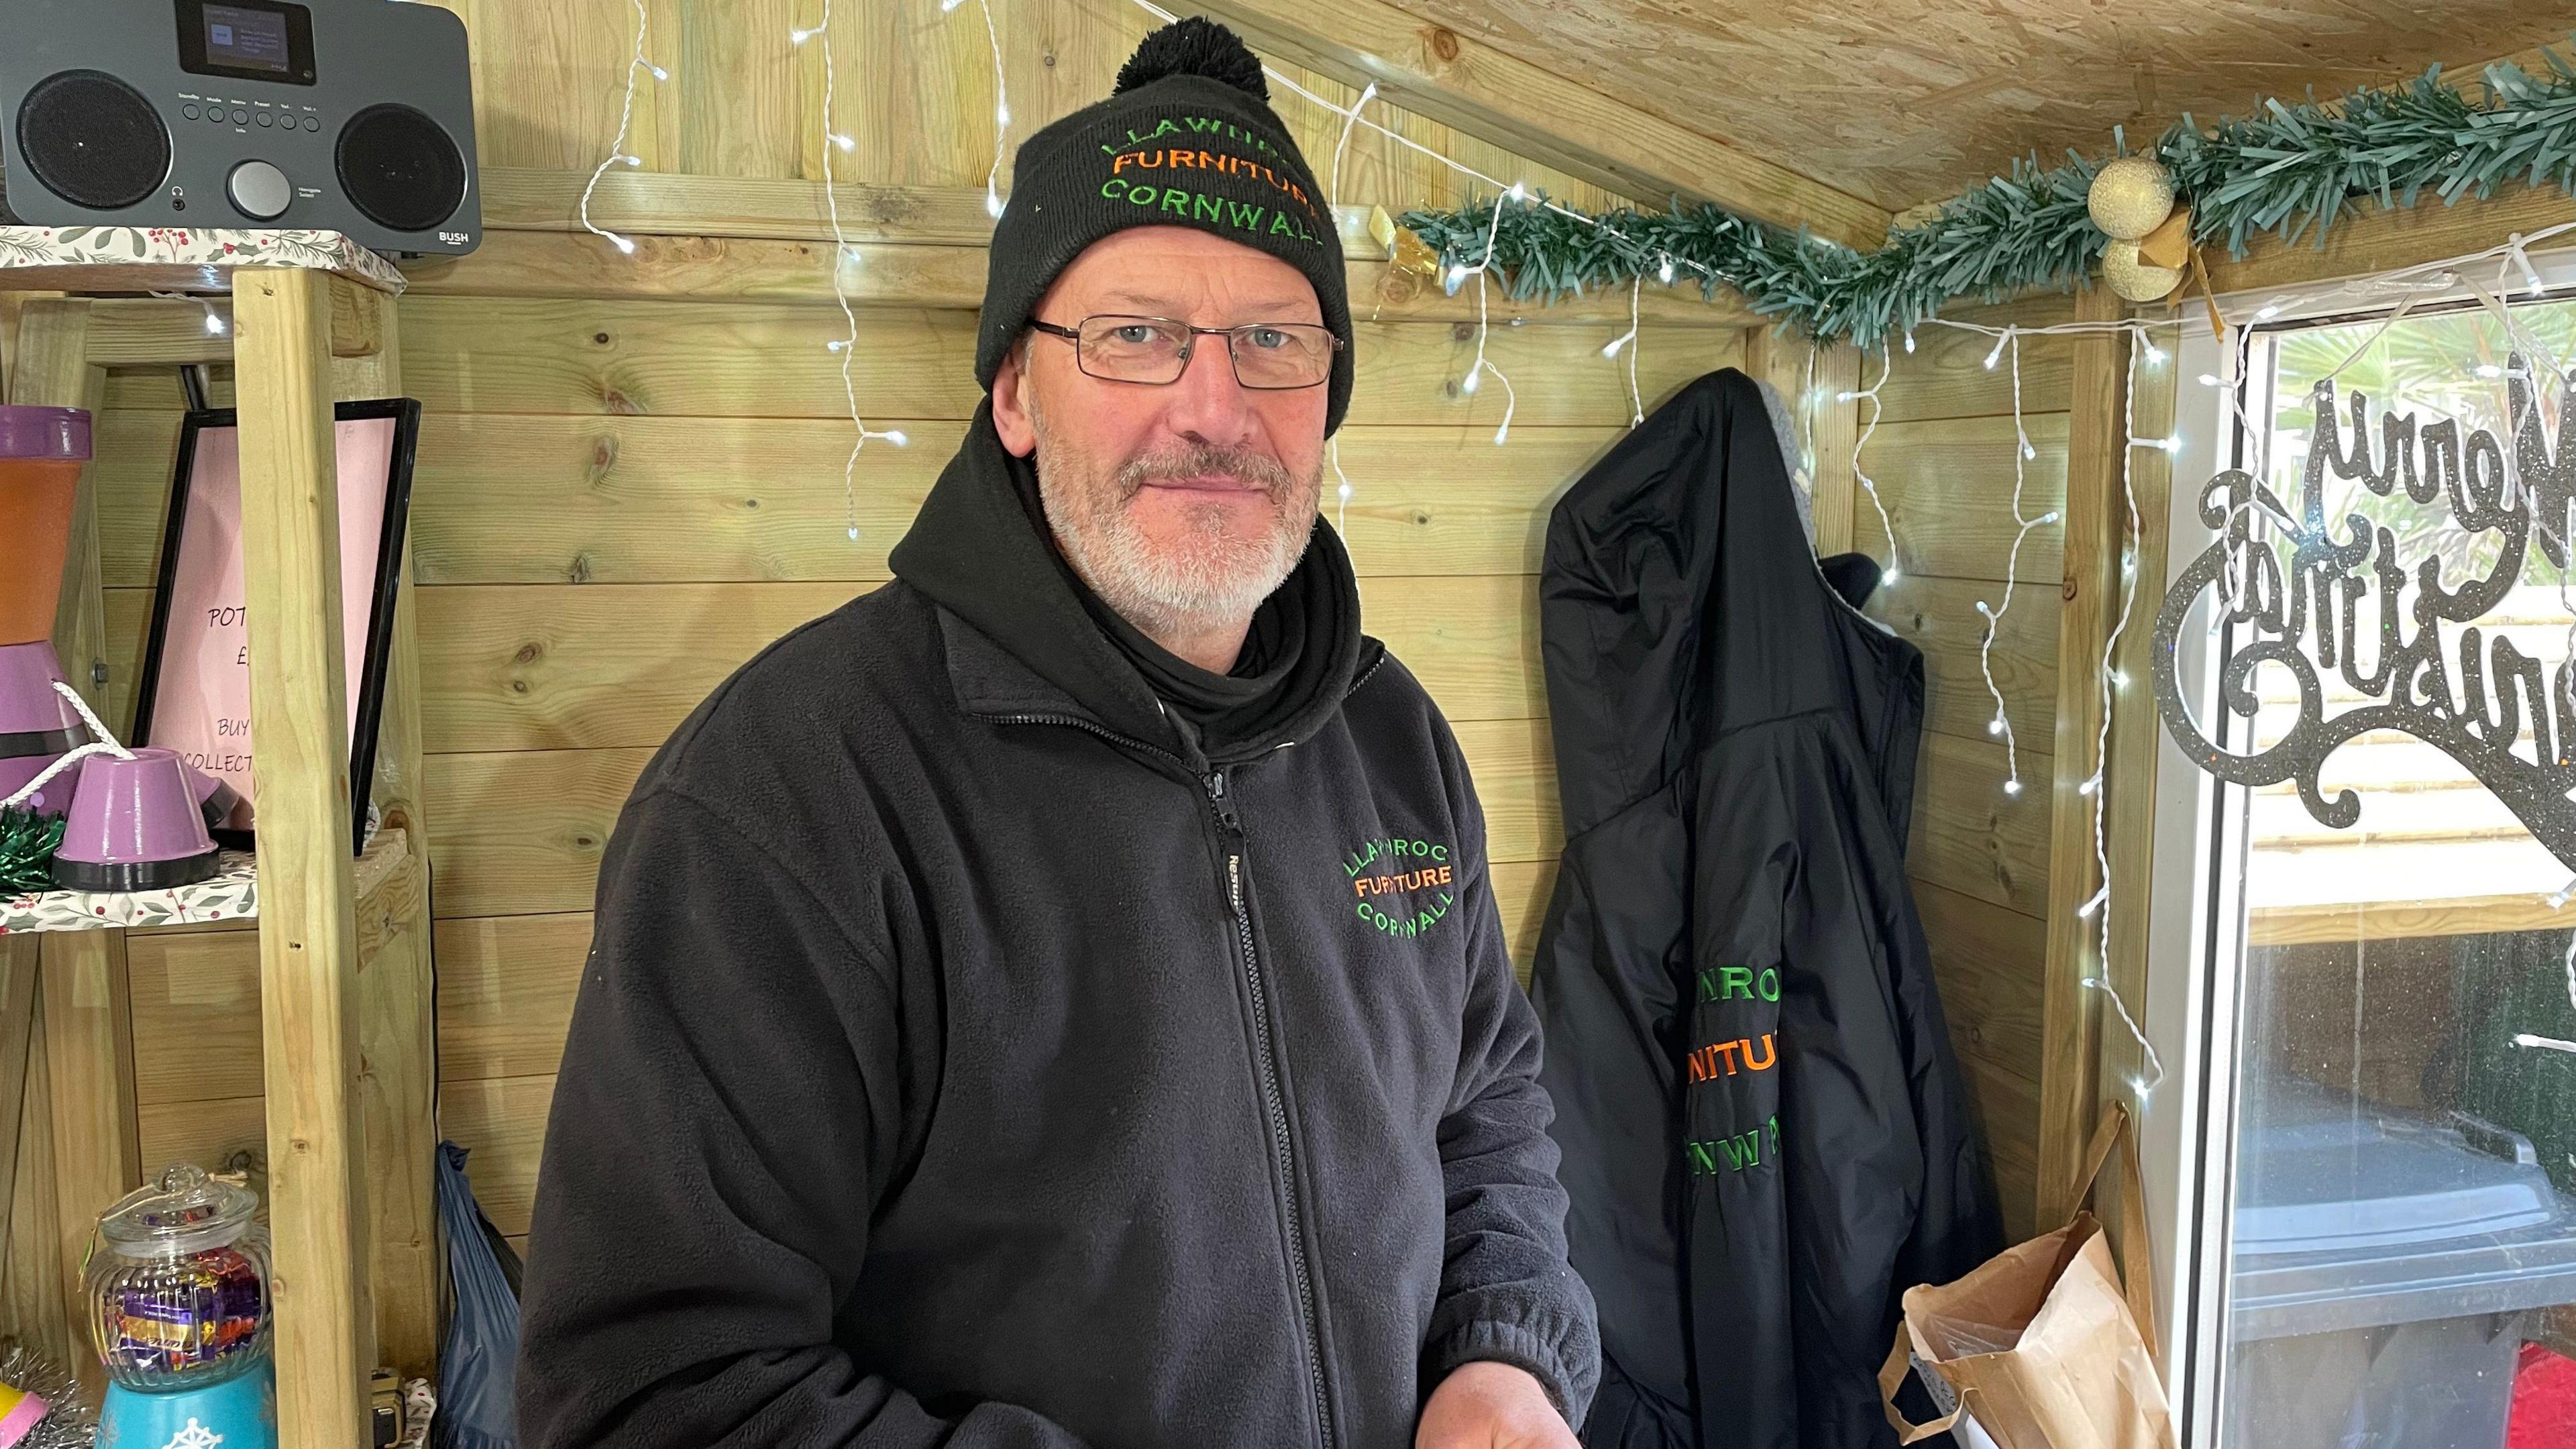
(1209, 403)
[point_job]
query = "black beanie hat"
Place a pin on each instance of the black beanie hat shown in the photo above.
(1186, 139)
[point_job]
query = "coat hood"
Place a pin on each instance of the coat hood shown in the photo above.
(1670, 617)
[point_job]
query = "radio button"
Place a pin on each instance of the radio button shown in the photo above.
(259, 190)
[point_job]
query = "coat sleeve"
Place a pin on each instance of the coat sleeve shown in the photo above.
(1507, 1293)
(732, 1103)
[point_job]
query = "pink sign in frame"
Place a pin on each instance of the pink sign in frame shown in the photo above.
(194, 696)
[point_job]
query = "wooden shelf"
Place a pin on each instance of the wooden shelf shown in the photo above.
(233, 895)
(345, 984)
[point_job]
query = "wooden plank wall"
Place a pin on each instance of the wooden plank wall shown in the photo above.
(1943, 459)
(630, 480)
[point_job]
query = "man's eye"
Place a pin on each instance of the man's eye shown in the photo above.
(1135, 336)
(1268, 339)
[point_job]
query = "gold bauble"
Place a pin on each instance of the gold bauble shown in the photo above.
(2135, 280)
(2130, 197)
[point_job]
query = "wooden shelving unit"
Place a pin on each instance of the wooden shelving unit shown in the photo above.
(344, 944)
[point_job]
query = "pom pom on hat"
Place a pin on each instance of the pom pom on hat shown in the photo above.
(1195, 45)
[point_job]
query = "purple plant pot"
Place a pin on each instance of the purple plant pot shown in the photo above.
(134, 825)
(36, 725)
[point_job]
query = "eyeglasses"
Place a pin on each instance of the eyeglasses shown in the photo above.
(1268, 356)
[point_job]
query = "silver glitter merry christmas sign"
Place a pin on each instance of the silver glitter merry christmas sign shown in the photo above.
(2323, 608)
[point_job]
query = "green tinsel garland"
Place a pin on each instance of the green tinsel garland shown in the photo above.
(27, 844)
(2293, 170)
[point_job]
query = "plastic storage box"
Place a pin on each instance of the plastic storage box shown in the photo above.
(2388, 1268)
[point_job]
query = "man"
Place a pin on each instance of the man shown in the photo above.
(1058, 999)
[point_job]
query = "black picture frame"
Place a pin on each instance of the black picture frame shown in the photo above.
(405, 413)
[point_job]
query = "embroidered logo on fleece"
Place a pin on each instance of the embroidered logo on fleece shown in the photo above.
(1399, 886)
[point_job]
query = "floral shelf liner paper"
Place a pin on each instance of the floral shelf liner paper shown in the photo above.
(231, 894)
(180, 248)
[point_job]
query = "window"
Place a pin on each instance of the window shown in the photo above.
(2364, 1169)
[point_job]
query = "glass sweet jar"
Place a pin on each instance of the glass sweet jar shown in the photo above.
(178, 1284)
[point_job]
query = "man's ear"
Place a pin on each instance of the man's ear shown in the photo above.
(1012, 416)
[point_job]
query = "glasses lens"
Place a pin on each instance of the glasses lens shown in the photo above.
(1132, 349)
(1282, 354)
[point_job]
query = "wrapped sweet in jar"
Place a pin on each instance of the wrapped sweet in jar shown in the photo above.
(178, 1283)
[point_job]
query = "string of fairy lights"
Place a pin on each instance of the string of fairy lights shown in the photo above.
(1623, 349)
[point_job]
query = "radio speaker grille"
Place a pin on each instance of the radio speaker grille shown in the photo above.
(400, 168)
(92, 139)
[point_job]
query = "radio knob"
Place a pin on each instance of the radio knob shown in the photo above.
(259, 190)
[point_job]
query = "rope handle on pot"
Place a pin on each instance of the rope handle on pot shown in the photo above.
(101, 743)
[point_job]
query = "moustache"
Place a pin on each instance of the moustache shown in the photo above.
(1201, 460)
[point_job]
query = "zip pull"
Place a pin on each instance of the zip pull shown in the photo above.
(1214, 780)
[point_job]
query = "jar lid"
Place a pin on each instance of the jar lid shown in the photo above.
(44, 433)
(185, 1212)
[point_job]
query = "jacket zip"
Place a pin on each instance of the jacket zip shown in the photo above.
(1281, 1145)
(1274, 1103)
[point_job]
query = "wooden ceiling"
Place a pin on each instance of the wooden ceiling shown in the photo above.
(1905, 101)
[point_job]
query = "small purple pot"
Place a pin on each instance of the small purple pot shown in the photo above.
(36, 725)
(134, 825)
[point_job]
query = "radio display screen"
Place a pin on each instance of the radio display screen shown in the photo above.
(251, 39)
(247, 40)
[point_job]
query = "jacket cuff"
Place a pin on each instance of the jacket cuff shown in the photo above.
(1492, 1341)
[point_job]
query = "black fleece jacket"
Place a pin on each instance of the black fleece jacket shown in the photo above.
(967, 1057)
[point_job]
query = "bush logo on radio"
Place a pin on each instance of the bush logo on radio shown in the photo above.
(1399, 886)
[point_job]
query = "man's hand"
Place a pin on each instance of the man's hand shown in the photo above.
(1491, 1406)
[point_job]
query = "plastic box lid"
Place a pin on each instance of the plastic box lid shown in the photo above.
(2354, 1216)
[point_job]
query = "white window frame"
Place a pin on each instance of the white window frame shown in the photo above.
(2195, 914)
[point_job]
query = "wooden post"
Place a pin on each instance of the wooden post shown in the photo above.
(97, 1151)
(2130, 786)
(308, 900)
(33, 1296)
(397, 1084)
(18, 957)
(2097, 437)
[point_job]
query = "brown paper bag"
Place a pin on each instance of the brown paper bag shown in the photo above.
(2040, 1345)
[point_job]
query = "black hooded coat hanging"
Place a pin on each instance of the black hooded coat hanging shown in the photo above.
(1764, 1132)
(2313, 617)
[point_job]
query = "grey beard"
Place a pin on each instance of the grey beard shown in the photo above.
(1216, 579)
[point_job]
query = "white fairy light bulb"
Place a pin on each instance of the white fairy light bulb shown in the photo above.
(897, 438)
(846, 143)
(1996, 357)
(1909, 343)
(1666, 271)
(659, 74)
(799, 37)
(622, 243)
(1468, 383)
(2013, 786)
